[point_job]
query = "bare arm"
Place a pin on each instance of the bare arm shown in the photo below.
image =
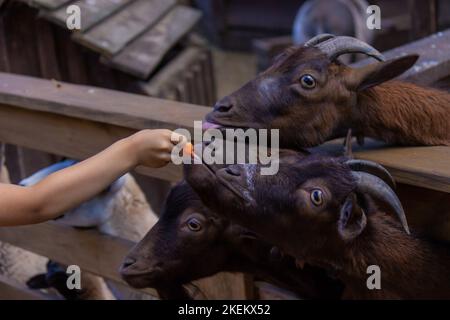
(70, 187)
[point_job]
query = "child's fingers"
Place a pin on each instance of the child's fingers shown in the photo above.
(177, 138)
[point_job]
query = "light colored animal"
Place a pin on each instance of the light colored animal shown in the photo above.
(121, 210)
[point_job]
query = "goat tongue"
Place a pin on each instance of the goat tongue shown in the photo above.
(209, 125)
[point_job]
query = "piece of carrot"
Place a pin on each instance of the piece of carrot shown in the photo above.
(188, 148)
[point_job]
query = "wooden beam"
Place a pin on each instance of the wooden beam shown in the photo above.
(114, 33)
(102, 255)
(96, 104)
(78, 121)
(67, 136)
(426, 167)
(434, 60)
(94, 252)
(48, 4)
(423, 17)
(14, 291)
(92, 12)
(144, 54)
(171, 72)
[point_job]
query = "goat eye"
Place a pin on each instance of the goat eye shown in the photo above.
(307, 81)
(194, 225)
(317, 197)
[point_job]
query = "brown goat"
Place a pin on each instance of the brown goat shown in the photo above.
(311, 97)
(190, 242)
(320, 211)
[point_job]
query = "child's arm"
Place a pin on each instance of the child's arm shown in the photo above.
(70, 187)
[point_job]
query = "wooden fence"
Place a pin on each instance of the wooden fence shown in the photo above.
(78, 121)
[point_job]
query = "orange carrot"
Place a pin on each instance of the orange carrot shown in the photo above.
(188, 148)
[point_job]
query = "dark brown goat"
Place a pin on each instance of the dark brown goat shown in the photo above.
(189, 242)
(311, 97)
(319, 211)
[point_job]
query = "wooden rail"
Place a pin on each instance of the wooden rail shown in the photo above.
(78, 121)
(15, 291)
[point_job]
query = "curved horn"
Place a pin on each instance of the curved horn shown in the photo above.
(373, 168)
(374, 186)
(337, 46)
(318, 39)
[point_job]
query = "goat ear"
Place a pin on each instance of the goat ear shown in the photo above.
(373, 74)
(352, 218)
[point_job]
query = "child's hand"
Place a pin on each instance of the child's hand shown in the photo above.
(153, 148)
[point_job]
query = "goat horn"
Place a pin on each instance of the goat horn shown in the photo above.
(337, 46)
(318, 39)
(373, 168)
(374, 186)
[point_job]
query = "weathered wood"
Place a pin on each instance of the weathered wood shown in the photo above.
(426, 167)
(20, 42)
(92, 251)
(434, 61)
(70, 58)
(49, 4)
(14, 291)
(112, 34)
(96, 104)
(47, 50)
(423, 18)
(102, 255)
(78, 121)
(171, 72)
(92, 12)
(69, 137)
(143, 55)
(269, 291)
(210, 82)
(4, 63)
(225, 286)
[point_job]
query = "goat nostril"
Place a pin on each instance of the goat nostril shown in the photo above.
(128, 262)
(222, 106)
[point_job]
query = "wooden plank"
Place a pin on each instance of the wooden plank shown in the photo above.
(20, 43)
(427, 167)
(95, 104)
(92, 12)
(47, 50)
(86, 248)
(114, 33)
(434, 61)
(4, 61)
(82, 247)
(143, 55)
(71, 58)
(49, 4)
(14, 291)
(78, 121)
(171, 72)
(210, 78)
(423, 18)
(69, 137)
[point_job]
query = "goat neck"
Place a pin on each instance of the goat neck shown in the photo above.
(411, 267)
(403, 113)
